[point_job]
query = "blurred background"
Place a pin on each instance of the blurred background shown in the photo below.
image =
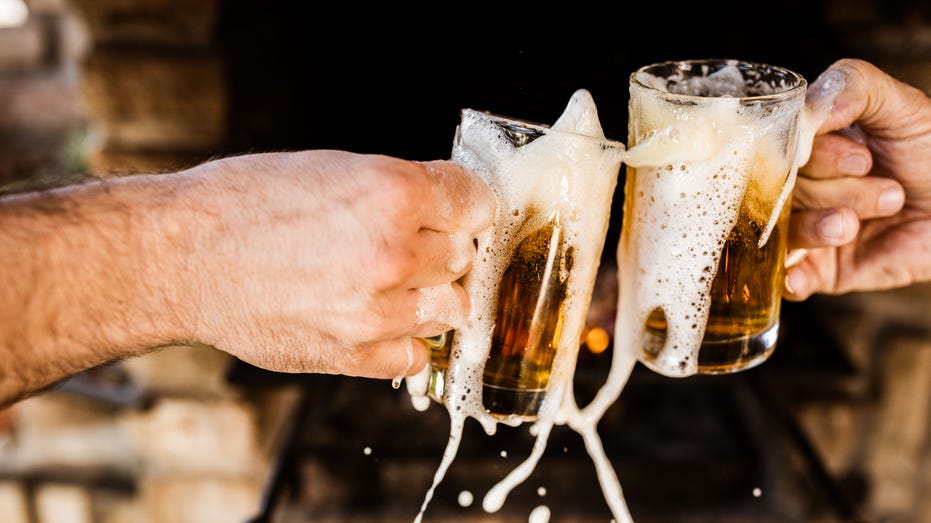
(834, 428)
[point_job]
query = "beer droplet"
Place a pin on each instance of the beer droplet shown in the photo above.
(540, 514)
(465, 498)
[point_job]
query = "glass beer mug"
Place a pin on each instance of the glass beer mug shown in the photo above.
(710, 168)
(535, 269)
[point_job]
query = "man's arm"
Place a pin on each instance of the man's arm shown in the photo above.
(76, 287)
(316, 261)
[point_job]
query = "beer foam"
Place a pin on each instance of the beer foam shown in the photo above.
(655, 266)
(540, 514)
(434, 304)
(459, 258)
(465, 498)
(566, 172)
(417, 389)
(692, 160)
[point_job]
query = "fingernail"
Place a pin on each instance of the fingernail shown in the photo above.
(831, 227)
(819, 102)
(853, 164)
(890, 201)
(795, 282)
(822, 92)
(826, 87)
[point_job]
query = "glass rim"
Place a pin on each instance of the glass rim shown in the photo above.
(796, 89)
(541, 127)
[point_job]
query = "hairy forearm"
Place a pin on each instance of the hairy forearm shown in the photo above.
(76, 286)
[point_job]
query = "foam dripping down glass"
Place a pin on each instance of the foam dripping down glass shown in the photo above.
(530, 284)
(535, 269)
(710, 171)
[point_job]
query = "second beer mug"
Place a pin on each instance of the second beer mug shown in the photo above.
(712, 161)
(532, 279)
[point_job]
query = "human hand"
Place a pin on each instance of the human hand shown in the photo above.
(862, 203)
(332, 262)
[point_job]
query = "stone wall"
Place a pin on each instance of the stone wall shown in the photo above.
(102, 88)
(153, 83)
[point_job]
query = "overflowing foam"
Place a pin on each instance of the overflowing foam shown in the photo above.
(568, 170)
(683, 198)
(694, 163)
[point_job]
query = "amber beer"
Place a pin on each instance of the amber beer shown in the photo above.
(530, 310)
(528, 324)
(746, 297)
(535, 270)
(707, 201)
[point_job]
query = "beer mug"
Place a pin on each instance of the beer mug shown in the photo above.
(535, 268)
(711, 163)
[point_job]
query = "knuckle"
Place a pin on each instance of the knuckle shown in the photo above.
(374, 326)
(398, 183)
(396, 265)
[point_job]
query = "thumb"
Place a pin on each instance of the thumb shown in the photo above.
(882, 105)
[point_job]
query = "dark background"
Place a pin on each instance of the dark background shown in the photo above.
(391, 77)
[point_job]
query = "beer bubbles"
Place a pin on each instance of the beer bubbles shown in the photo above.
(710, 170)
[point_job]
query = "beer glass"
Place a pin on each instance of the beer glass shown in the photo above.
(710, 168)
(534, 272)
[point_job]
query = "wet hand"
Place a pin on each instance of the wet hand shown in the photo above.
(862, 203)
(326, 261)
